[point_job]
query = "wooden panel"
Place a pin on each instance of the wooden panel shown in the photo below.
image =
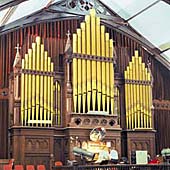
(32, 145)
(162, 119)
(37, 145)
(141, 140)
(58, 150)
(3, 129)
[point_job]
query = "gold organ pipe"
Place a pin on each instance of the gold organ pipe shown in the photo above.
(126, 98)
(56, 102)
(137, 88)
(146, 97)
(84, 70)
(83, 29)
(45, 85)
(22, 93)
(38, 53)
(99, 85)
(149, 101)
(29, 84)
(129, 96)
(142, 96)
(134, 93)
(140, 92)
(75, 73)
(33, 79)
(59, 109)
(26, 89)
(87, 20)
(103, 67)
(107, 72)
(41, 84)
(93, 52)
(49, 93)
(93, 31)
(88, 33)
(37, 93)
(111, 77)
(131, 102)
(79, 65)
(98, 81)
(52, 93)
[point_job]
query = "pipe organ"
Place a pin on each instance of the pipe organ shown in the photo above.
(56, 102)
(92, 67)
(138, 94)
(40, 94)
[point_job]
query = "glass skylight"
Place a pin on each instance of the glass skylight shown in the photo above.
(154, 24)
(127, 8)
(2, 13)
(27, 8)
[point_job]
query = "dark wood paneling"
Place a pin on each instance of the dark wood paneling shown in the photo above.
(3, 129)
(162, 118)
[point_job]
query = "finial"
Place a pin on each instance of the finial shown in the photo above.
(68, 48)
(17, 60)
(68, 34)
(149, 69)
(18, 47)
(149, 64)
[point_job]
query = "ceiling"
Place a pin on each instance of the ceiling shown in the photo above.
(150, 18)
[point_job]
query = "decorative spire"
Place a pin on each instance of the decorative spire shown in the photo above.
(68, 48)
(17, 61)
(149, 69)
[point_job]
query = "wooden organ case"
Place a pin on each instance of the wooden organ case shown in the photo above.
(36, 107)
(139, 107)
(54, 112)
(90, 85)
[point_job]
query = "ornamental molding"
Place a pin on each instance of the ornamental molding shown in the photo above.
(161, 104)
(85, 5)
